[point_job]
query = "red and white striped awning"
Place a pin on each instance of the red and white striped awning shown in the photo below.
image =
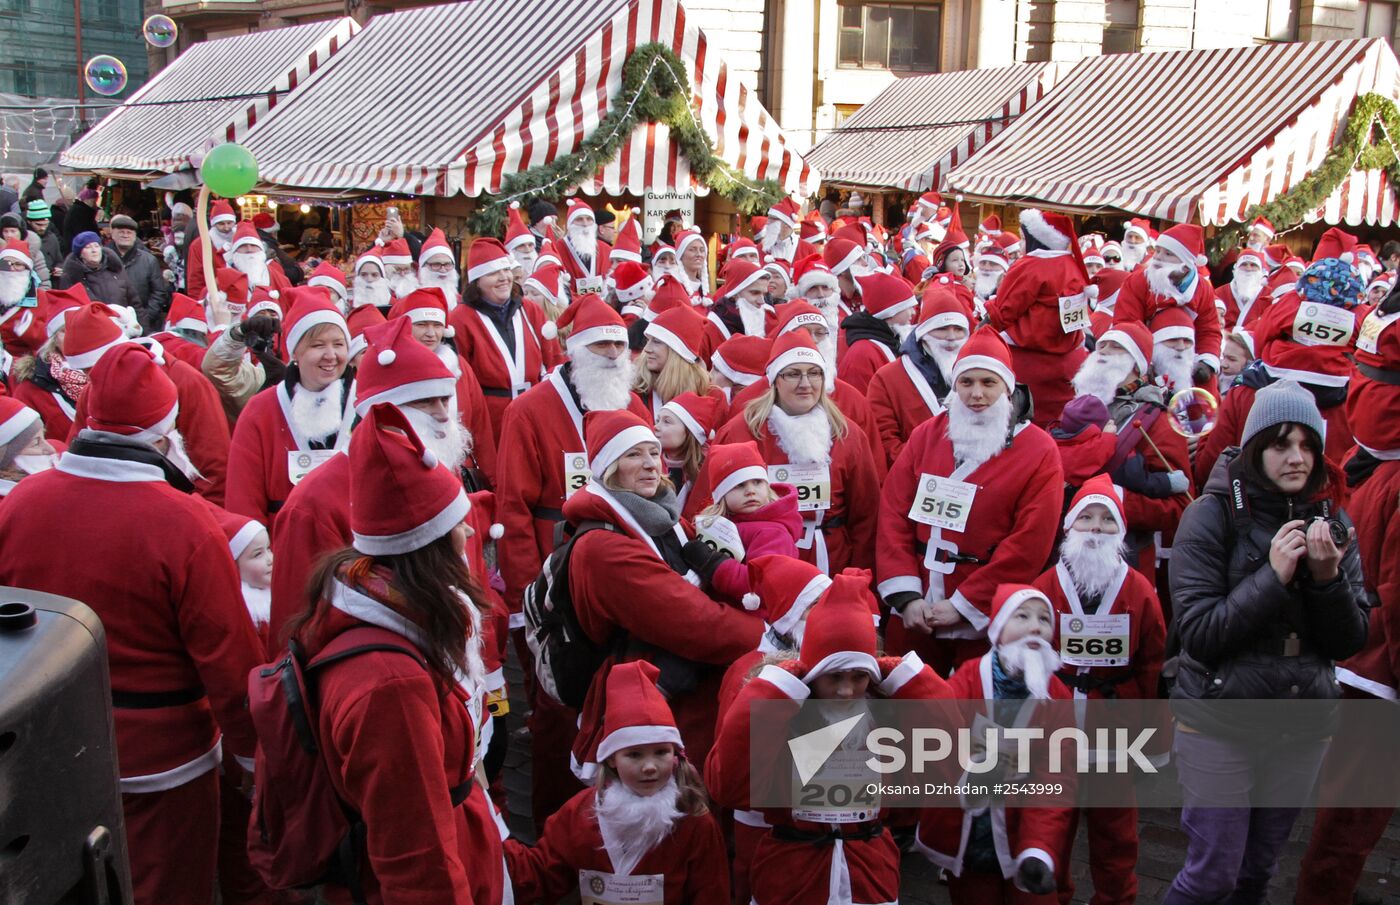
(215, 91)
(1192, 135)
(451, 99)
(916, 130)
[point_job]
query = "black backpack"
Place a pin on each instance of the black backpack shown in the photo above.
(566, 659)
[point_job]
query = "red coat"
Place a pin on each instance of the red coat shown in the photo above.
(21, 331)
(53, 408)
(473, 414)
(1085, 454)
(315, 521)
(154, 565)
(194, 269)
(481, 347)
(691, 859)
(539, 428)
(182, 349)
(1163, 449)
(848, 399)
(914, 269)
(849, 533)
(572, 266)
(1376, 669)
(1232, 307)
(1138, 303)
(863, 358)
(901, 399)
(1027, 304)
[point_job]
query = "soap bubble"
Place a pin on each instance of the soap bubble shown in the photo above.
(159, 31)
(106, 75)
(1193, 411)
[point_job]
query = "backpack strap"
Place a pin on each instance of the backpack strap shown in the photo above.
(362, 640)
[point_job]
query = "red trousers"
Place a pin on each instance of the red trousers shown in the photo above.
(1048, 376)
(173, 840)
(1113, 854)
(989, 889)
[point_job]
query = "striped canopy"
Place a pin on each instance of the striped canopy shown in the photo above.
(178, 113)
(1191, 135)
(450, 99)
(912, 134)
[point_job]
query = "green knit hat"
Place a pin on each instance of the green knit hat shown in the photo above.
(38, 209)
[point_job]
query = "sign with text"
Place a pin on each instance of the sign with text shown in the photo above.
(655, 207)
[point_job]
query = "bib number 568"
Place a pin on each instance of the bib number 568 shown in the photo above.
(1094, 647)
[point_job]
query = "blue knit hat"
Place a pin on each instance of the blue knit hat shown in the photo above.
(83, 240)
(1282, 402)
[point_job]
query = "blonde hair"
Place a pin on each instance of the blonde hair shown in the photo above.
(677, 376)
(718, 507)
(692, 455)
(318, 331)
(693, 801)
(610, 481)
(758, 411)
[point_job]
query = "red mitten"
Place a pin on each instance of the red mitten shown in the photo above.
(794, 666)
(887, 665)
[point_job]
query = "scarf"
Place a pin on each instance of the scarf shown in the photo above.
(70, 380)
(657, 515)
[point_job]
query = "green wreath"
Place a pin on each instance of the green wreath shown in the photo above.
(654, 90)
(1359, 148)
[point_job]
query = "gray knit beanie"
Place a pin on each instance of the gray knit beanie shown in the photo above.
(1282, 402)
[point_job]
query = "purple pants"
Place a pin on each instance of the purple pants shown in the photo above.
(1232, 848)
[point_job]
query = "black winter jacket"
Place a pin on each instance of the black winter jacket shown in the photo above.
(147, 280)
(105, 283)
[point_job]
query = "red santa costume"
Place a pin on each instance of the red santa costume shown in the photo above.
(55, 399)
(834, 475)
(1139, 301)
(698, 286)
(794, 248)
(179, 641)
(21, 328)
(732, 317)
(435, 250)
(957, 518)
(587, 265)
(1242, 310)
(628, 247)
(819, 854)
(221, 212)
(184, 314)
(871, 340)
(1108, 283)
(248, 255)
(901, 394)
(740, 360)
(633, 287)
(1042, 311)
(92, 331)
(814, 283)
(331, 278)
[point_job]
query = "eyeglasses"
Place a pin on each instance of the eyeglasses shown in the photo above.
(813, 376)
(440, 266)
(1109, 260)
(13, 265)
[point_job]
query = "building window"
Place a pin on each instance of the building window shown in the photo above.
(1281, 22)
(899, 38)
(1376, 19)
(1120, 33)
(845, 112)
(20, 78)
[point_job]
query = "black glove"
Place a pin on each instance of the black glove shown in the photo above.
(898, 602)
(1035, 877)
(259, 333)
(1201, 373)
(1132, 474)
(703, 559)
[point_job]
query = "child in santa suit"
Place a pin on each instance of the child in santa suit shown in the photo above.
(993, 854)
(1092, 582)
(685, 426)
(821, 854)
(252, 553)
(643, 832)
(1085, 437)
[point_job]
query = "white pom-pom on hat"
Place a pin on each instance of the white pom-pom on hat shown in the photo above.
(751, 602)
(386, 357)
(449, 332)
(515, 205)
(549, 330)
(1202, 260)
(497, 531)
(274, 293)
(429, 459)
(1347, 257)
(1091, 292)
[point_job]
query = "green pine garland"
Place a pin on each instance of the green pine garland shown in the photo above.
(1357, 144)
(655, 77)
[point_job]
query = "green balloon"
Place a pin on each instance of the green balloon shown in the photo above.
(229, 170)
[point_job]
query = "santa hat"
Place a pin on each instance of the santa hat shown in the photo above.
(1244, 338)
(670, 293)
(785, 211)
(547, 255)
(757, 224)
(16, 418)
(328, 276)
(1186, 241)
(811, 272)
(1006, 601)
(786, 587)
(15, 250)
(742, 248)
(517, 233)
(128, 393)
(637, 712)
(548, 281)
(396, 253)
(699, 414)
(1098, 489)
(1111, 247)
(840, 254)
(1254, 257)
(778, 269)
(233, 284)
(239, 530)
(1056, 232)
(309, 311)
(265, 221)
(840, 632)
(359, 320)
(986, 350)
(996, 257)
(1139, 227)
(940, 308)
(886, 295)
(797, 313)
(91, 330)
(264, 299)
(57, 304)
(374, 256)
(221, 212)
(681, 329)
(401, 497)
(629, 240)
(731, 464)
(792, 348)
(930, 201)
(185, 314)
(928, 231)
(1381, 280)
(485, 257)
(435, 246)
(1091, 248)
(1109, 283)
(1275, 255)
(577, 208)
(1335, 243)
(427, 304)
(1135, 339)
(742, 358)
(812, 231)
(592, 320)
(631, 281)
(1298, 265)
(246, 234)
(399, 369)
(1264, 226)
(1008, 242)
(852, 232)
(685, 238)
(740, 275)
(991, 226)
(1172, 323)
(609, 434)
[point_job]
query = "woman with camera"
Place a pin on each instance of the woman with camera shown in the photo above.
(1266, 582)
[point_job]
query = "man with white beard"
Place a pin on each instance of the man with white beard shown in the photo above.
(1173, 349)
(398, 268)
(970, 503)
(873, 335)
(818, 285)
(988, 269)
(779, 237)
(520, 242)
(584, 255)
(438, 269)
(371, 287)
(1137, 242)
(21, 330)
(1243, 296)
(1092, 586)
(222, 222)
(248, 255)
(544, 427)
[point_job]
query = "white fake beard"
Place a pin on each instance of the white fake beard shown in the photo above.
(448, 440)
(805, 438)
(1159, 280)
(14, 285)
(604, 384)
(943, 352)
(985, 285)
(902, 331)
(252, 263)
(376, 293)
(448, 356)
(259, 603)
(1246, 285)
(447, 282)
(584, 242)
(318, 415)
(1033, 661)
(632, 825)
(659, 270)
(977, 436)
(177, 456)
(780, 248)
(753, 318)
(222, 243)
(402, 285)
(1092, 560)
(525, 255)
(36, 464)
(1175, 367)
(831, 310)
(1133, 255)
(1102, 374)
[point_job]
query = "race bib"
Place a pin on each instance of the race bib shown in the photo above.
(576, 474)
(813, 483)
(1094, 640)
(1322, 325)
(597, 887)
(1074, 312)
(1369, 336)
(844, 790)
(942, 502)
(585, 285)
(719, 533)
(302, 462)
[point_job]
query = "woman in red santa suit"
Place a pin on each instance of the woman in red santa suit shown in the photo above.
(23, 449)
(671, 362)
(643, 832)
(692, 268)
(45, 381)
(684, 428)
(288, 430)
(807, 442)
(402, 735)
(971, 502)
(841, 856)
(874, 334)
